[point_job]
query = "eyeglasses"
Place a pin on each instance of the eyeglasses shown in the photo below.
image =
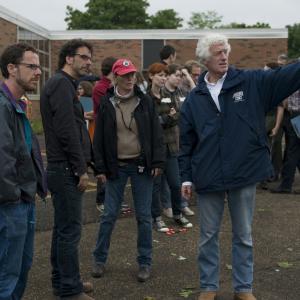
(84, 57)
(32, 67)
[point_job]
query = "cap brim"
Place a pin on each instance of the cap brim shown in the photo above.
(124, 72)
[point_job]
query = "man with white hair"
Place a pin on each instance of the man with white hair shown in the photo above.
(224, 153)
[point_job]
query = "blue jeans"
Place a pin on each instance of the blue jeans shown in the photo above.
(141, 185)
(67, 203)
(241, 204)
(17, 223)
(171, 174)
(165, 195)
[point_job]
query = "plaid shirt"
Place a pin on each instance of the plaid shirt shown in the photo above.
(294, 102)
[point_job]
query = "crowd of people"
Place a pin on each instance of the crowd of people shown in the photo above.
(203, 126)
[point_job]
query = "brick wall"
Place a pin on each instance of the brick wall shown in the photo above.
(103, 48)
(8, 35)
(246, 53)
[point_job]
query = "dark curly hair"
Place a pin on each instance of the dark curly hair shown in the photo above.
(70, 48)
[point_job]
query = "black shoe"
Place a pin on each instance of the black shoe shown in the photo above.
(98, 270)
(143, 274)
(273, 178)
(280, 190)
(87, 288)
(262, 185)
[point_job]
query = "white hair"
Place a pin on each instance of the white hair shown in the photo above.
(204, 44)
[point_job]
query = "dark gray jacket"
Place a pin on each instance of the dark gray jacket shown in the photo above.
(21, 169)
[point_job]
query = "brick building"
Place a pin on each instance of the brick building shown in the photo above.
(251, 48)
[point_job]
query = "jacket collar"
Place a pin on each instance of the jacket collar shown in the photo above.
(5, 90)
(137, 91)
(233, 78)
(72, 80)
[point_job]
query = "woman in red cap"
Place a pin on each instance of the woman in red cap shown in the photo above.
(127, 143)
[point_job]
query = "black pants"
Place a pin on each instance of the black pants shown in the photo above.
(292, 159)
(67, 203)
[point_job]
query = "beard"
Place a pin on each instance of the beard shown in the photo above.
(27, 86)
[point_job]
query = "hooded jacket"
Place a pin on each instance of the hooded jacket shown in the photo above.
(221, 150)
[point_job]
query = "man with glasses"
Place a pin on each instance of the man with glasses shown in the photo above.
(21, 169)
(68, 153)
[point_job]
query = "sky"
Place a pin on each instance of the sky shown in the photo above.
(50, 14)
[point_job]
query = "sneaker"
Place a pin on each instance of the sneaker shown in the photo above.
(160, 226)
(98, 270)
(263, 185)
(187, 211)
(125, 208)
(100, 207)
(280, 190)
(183, 222)
(168, 212)
(143, 274)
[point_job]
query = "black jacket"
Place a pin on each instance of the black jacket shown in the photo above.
(21, 170)
(105, 137)
(66, 135)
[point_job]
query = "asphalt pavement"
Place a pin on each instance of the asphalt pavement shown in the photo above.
(276, 234)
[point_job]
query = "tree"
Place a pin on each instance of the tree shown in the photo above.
(294, 40)
(243, 25)
(259, 25)
(165, 19)
(107, 14)
(205, 20)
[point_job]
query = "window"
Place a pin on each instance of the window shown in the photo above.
(151, 50)
(42, 46)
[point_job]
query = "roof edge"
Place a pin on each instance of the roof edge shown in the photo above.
(18, 20)
(152, 34)
(139, 34)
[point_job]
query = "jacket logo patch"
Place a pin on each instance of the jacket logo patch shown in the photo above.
(238, 97)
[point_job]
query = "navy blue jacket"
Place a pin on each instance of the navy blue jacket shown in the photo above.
(229, 149)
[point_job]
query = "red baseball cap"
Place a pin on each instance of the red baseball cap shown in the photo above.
(123, 66)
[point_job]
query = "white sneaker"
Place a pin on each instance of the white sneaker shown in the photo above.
(100, 207)
(187, 211)
(168, 212)
(184, 222)
(160, 226)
